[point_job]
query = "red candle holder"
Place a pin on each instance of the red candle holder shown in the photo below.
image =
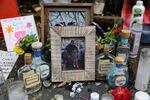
(121, 94)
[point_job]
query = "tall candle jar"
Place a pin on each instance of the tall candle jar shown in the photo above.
(143, 73)
(38, 63)
(99, 7)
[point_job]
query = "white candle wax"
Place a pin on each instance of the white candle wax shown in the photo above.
(94, 96)
(141, 96)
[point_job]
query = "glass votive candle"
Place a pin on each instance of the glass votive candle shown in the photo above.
(94, 96)
(107, 97)
(15, 88)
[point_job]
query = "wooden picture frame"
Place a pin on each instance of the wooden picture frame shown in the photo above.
(87, 8)
(64, 69)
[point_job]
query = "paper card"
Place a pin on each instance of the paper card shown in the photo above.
(7, 61)
(16, 28)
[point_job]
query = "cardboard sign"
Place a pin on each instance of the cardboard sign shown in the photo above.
(7, 61)
(15, 29)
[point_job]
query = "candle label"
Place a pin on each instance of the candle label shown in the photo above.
(27, 74)
(120, 80)
(103, 66)
(135, 41)
(32, 80)
(44, 71)
(124, 41)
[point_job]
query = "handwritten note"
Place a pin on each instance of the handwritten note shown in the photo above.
(15, 29)
(7, 61)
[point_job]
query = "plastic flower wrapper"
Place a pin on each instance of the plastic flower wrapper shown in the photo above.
(24, 45)
(121, 94)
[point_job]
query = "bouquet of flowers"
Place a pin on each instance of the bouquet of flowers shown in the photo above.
(111, 37)
(24, 45)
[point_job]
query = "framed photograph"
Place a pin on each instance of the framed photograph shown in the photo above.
(72, 53)
(56, 14)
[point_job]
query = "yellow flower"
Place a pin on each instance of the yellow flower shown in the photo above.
(18, 50)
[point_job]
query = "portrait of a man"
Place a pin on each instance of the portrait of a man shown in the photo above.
(73, 53)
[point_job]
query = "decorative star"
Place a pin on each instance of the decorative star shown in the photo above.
(9, 29)
(29, 25)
